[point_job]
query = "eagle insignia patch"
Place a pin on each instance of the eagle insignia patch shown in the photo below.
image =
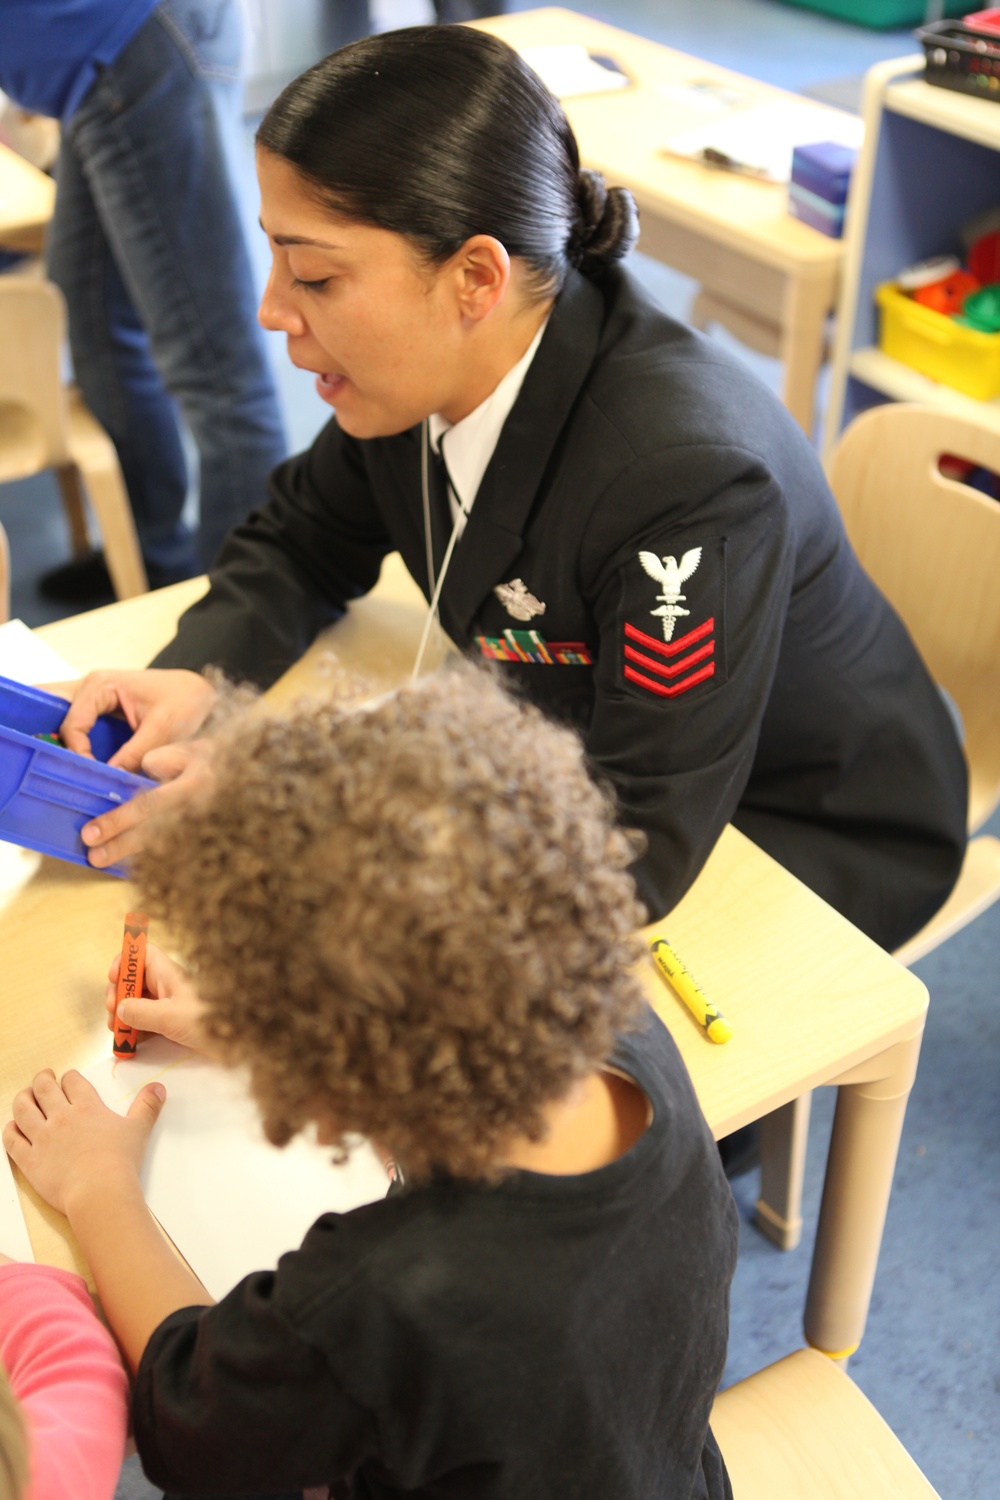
(670, 574)
(518, 600)
(670, 645)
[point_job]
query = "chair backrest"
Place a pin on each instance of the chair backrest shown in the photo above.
(932, 545)
(33, 406)
(801, 1430)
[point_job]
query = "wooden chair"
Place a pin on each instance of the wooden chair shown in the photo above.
(45, 426)
(801, 1430)
(933, 547)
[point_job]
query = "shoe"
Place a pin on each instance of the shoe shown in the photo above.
(740, 1152)
(84, 581)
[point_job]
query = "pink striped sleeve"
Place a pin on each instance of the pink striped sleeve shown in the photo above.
(66, 1372)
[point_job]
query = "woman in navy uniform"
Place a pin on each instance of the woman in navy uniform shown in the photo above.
(597, 498)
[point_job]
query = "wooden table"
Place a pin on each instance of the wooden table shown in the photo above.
(770, 278)
(27, 198)
(811, 1000)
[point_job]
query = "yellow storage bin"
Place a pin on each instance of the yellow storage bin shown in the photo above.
(938, 346)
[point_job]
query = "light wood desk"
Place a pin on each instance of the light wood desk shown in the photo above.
(774, 278)
(810, 999)
(27, 198)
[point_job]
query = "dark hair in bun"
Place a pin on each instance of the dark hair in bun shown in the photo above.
(608, 227)
(439, 133)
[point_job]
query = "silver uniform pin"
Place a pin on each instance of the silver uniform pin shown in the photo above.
(671, 574)
(518, 600)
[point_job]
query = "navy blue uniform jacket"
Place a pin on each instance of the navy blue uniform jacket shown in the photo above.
(709, 628)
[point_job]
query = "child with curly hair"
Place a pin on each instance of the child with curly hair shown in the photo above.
(413, 922)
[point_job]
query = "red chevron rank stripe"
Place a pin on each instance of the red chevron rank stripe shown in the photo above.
(676, 666)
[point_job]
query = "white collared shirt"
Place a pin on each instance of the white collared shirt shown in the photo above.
(471, 441)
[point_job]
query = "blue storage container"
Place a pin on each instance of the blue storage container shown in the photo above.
(818, 212)
(47, 792)
(824, 168)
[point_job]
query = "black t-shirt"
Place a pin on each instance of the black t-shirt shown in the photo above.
(547, 1337)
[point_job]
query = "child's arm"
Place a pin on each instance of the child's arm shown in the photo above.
(68, 1378)
(84, 1160)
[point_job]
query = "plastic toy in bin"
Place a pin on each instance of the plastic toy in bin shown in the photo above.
(47, 792)
(982, 310)
(981, 237)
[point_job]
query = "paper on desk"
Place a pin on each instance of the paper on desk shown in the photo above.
(699, 100)
(765, 137)
(14, 1239)
(26, 659)
(230, 1202)
(569, 70)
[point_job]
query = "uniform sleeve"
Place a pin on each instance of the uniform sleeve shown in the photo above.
(289, 570)
(65, 1371)
(235, 1400)
(690, 611)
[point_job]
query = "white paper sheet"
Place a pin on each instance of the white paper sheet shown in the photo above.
(699, 100)
(24, 658)
(14, 1239)
(764, 138)
(568, 70)
(230, 1202)
(17, 866)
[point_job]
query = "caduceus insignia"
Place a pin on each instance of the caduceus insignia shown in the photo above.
(518, 600)
(671, 574)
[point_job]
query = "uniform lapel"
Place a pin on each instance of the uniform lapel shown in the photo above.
(493, 536)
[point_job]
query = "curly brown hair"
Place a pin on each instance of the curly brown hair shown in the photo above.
(411, 920)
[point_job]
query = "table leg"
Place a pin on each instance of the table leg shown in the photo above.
(784, 1134)
(808, 301)
(868, 1122)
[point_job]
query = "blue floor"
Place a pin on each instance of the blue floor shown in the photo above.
(931, 1357)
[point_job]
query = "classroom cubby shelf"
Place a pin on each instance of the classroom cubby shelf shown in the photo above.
(898, 382)
(931, 159)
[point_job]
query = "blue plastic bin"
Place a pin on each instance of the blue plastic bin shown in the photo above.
(47, 792)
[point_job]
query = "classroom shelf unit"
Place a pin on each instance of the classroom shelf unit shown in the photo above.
(930, 160)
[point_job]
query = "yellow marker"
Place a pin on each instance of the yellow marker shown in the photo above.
(680, 980)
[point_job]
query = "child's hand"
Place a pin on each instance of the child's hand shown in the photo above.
(65, 1139)
(184, 771)
(170, 1005)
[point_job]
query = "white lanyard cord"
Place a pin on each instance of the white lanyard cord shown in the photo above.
(435, 584)
(426, 493)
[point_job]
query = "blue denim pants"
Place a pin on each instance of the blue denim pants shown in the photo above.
(147, 245)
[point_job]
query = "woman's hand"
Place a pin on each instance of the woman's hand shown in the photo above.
(183, 769)
(66, 1141)
(170, 1006)
(162, 707)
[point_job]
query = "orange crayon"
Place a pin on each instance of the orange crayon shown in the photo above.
(130, 977)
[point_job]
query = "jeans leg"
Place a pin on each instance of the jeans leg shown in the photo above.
(114, 368)
(343, 21)
(467, 10)
(148, 139)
